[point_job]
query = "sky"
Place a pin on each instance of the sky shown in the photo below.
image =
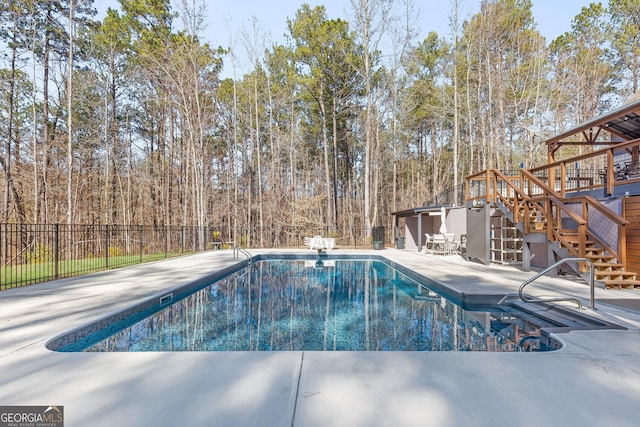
(227, 18)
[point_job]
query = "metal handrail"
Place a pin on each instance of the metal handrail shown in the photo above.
(542, 273)
(246, 253)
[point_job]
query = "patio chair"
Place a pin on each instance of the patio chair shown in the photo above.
(308, 241)
(314, 242)
(439, 244)
(329, 243)
(449, 243)
(317, 243)
(428, 243)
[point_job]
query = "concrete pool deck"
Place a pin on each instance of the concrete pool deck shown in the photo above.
(593, 381)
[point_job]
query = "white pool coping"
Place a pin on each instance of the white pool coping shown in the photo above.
(594, 380)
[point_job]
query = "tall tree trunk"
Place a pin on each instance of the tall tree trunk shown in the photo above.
(34, 130)
(456, 125)
(335, 163)
(258, 151)
(46, 134)
(70, 118)
(325, 149)
(6, 161)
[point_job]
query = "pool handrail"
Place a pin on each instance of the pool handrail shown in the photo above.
(545, 271)
(246, 253)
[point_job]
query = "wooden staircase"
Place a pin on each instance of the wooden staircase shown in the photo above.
(534, 215)
(545, 211)
(608, 271)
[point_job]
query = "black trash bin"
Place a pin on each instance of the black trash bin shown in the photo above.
(400, 242)
(378, 237)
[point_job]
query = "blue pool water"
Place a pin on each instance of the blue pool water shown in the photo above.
(314, 305)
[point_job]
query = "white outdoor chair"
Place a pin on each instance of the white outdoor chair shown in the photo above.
(439, 244)
(450, 243)
(319, 243)
(428, 243)
(329, 243)
(308, 241)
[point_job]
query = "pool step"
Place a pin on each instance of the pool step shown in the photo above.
(561, 316)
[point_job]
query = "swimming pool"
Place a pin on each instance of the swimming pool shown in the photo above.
(307, 303)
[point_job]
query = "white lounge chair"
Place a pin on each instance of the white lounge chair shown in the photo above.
(308, 241)
(317, 243)
(320, 243)
(329, 243)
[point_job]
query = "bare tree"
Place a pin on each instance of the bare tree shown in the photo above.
(373, 21)
(70, 115)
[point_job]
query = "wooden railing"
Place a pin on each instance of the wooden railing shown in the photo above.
(529, 192)
(588, 204)
(510, 194)
(563, 178)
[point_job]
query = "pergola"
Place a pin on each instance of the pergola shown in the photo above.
(623, 124)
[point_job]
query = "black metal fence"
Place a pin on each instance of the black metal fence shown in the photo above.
(453, 196)
(33, 253)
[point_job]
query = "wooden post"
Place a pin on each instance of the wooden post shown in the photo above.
(551, 221)
(563, 180)
(622, 236)
(610, 174)
(488, 186)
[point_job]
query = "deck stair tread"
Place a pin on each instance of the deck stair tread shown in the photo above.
(593, 253)
(608, 266)
(575, 240)
(621, 273)
(622, 284)
(589, 244)
(599, 257)
(600, 277)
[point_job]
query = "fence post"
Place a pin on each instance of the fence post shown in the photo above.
(140, 235)
(56, 253)
(106, 246)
